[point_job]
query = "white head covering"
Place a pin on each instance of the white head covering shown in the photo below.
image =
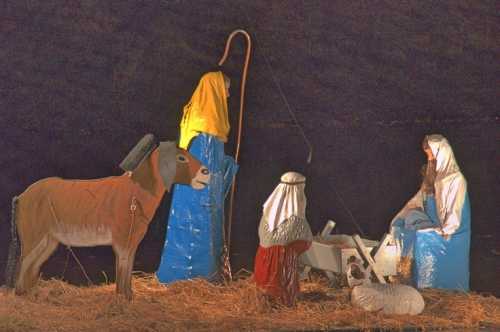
(288, 199)
(445, 160)
(450, 184)
(450, 187)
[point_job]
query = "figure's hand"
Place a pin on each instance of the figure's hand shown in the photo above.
(437, 230)
(430, 229)
(445, 236)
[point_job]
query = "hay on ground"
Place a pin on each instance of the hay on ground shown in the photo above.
(199, 305)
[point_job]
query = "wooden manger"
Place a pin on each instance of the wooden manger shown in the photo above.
(332, 252)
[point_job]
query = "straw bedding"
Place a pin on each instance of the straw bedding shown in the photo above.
(201, 306)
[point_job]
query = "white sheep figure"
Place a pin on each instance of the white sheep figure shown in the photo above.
(387, 298)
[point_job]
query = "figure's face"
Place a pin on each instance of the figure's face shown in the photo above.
(427, 150)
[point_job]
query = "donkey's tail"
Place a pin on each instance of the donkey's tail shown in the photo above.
(14, 250)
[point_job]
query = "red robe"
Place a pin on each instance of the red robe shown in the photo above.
(276, 271)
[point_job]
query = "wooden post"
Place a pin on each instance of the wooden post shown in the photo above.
(368, 258)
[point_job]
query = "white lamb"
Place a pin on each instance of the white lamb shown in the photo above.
(387, 298)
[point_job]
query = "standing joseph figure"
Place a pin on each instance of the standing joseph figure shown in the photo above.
(194, 241)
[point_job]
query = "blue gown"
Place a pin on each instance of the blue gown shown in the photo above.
(438, 262)
(194, 240)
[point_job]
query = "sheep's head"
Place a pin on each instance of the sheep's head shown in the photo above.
(356, 273)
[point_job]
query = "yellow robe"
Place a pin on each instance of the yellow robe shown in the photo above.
(206, 111)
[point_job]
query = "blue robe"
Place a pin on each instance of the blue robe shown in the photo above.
(438, 262)
(194, 240)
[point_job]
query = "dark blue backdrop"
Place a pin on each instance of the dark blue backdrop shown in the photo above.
(81, 82)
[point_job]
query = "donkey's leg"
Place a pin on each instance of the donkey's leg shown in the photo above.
(28, 256)
(127, 283)
(136, 239)
(48, 250)
(124, 265)
(125, 255)
(120, 261)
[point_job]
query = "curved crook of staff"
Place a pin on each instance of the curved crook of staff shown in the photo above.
(240, 125)
(243, 80)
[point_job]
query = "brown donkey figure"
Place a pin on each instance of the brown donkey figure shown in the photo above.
(112, 211)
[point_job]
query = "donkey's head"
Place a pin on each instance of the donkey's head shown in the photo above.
(179, 166)
(150, 162)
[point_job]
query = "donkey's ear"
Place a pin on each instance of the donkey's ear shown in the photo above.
(138, 153)
(167, 162)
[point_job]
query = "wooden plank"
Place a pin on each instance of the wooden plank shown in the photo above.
(368, 258)
(378, 251)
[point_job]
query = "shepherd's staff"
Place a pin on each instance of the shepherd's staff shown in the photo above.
(227, 232)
